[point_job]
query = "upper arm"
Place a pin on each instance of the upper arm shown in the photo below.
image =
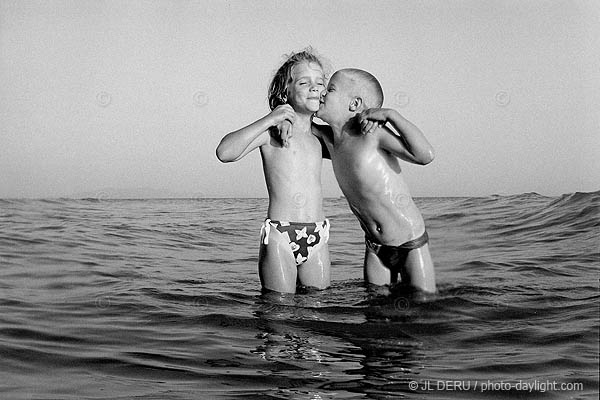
(237, 144)
(325, 135)
(261, 140)
(409, 144)
(394, 144)
(324, 149)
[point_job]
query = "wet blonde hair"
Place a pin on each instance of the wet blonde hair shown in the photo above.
(280, 82)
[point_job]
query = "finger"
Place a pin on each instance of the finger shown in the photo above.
(288, 135)
(283, 136)
(364, 126)
(370, 127)
(283, 127)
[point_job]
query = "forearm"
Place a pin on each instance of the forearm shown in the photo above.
(237, 144)
(412, 137)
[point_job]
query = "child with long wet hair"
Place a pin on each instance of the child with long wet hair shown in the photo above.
(294, 235)
(283, 76)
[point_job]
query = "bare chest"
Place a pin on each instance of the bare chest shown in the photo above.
(301, 150)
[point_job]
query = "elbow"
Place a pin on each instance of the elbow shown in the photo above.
(223, 156)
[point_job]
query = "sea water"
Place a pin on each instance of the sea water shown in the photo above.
(160, 299)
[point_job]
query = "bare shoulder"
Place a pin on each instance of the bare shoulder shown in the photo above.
(384, 133)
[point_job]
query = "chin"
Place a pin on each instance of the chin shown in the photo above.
(313, 107)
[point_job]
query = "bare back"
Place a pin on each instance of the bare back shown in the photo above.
(293, 178)
(371, 179)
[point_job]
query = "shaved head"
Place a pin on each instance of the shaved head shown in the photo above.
(366, 86)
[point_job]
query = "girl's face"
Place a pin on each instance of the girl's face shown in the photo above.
(305, 87)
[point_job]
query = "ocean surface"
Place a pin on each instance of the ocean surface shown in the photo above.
(160, 299)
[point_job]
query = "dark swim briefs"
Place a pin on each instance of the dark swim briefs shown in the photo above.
(302, 236)
(395, 256)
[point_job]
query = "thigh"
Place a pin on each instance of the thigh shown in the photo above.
(418, 270)
(375, 271)
(316, 270)
(276, 264)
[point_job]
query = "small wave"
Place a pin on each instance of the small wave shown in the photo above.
(117, 293)
(27, 334)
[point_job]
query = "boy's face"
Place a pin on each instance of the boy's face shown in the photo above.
(305, 87)
(335, 100)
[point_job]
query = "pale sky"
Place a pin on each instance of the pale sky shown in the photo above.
(137, 94)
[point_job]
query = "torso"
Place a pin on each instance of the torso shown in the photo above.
(372, 183)
(293, 178)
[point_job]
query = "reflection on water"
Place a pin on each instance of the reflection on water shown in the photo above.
(300, 334)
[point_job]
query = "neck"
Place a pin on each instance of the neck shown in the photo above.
(303, 122)
(349, 127)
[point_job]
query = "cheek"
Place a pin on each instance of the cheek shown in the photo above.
(296, 93)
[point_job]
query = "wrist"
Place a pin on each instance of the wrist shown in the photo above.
(270, 120)
(391, 114)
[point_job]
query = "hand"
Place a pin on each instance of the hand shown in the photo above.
(372, 119)
(281, 113)
(285, 132)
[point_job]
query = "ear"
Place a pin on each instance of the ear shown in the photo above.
(355, 104)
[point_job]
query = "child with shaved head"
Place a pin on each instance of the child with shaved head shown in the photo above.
(368, 171)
